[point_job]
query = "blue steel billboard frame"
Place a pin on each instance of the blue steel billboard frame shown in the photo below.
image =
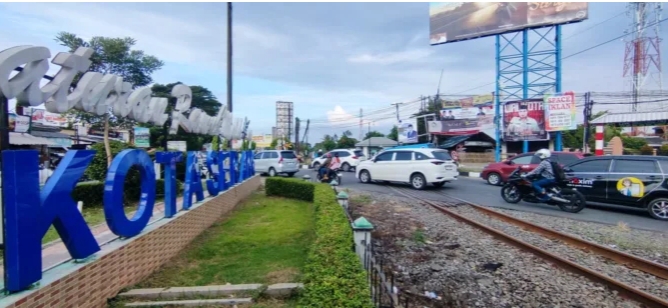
(525, 71)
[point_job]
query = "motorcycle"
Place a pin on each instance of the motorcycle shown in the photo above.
(336, 173)
(519, 188)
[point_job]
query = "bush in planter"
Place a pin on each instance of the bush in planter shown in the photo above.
(289, 188)
(333, 274)
(646, 150)
(92, 194)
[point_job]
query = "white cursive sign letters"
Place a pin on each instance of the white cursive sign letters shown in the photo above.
(98, 93)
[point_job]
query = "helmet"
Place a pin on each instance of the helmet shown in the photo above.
(336, 154)
(329, 155)
(543, 154)
(320, 151)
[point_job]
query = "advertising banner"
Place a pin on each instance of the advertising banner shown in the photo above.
(466, 116)
(142, 137)
(524, 120)
(180, 146)
(46, 118)
(262, 141)
(18, 123)
(456, 21)
(560, 112)
(407, 130)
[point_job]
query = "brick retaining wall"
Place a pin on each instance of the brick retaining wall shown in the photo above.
(126, 262)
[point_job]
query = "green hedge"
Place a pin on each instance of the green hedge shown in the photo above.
(92, 193)
(333, 276)
(289, 188)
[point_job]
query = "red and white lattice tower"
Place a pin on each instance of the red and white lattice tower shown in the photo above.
(642, 59)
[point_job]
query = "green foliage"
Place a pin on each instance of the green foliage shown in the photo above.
(333, 273)
(373, 134)
(663, 150)
(215, 145)
(92, 193)
(346, 142)
(394, 133)
(253, 145)
(633, 142)
(646, 150)
(97, 170)
(289, 188)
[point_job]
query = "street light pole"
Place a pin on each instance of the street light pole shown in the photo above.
(229, 63)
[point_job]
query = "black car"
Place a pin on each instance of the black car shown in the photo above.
(628, 180)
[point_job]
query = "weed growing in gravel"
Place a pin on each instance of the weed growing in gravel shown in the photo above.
(419, 236)
(622, 226)
(361, 199)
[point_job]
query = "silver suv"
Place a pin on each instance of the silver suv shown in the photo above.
(275, 162)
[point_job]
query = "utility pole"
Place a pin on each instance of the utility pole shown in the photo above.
(361, 115)
(396, 105)
(297, 135)
(229, 63)
(587, 118)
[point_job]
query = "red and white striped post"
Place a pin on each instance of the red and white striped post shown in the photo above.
(599, 140)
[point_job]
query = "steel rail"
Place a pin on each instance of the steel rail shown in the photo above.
(629, 260)
(624, 290)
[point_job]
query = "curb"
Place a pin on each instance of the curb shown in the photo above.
(469, 174)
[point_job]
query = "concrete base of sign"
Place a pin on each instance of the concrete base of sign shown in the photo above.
(194, 302)
(282, 289)
(179, 292)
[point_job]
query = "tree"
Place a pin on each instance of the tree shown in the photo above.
(373, 134)
(346, 142)
(394, 133)
(328, 143)
(202, 98)
(112, 56)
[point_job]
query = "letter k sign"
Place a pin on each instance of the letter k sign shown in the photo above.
(28, 216)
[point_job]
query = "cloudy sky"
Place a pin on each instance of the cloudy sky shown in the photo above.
(330, 59)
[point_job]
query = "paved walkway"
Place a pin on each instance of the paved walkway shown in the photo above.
(55, 253)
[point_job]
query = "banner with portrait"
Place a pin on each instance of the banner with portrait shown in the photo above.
(407, 131)
(524, 120)
(560, 112)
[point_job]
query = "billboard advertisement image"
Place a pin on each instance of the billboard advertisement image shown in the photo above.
(407, 131)
(560, 112)
(466, 116)
(456, 21)
(524, 120)
(142, 137)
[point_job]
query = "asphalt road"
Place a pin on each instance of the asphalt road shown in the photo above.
(475, 190)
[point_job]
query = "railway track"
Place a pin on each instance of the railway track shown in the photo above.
(457, 209)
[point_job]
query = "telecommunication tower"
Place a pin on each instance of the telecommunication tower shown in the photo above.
(642, 57)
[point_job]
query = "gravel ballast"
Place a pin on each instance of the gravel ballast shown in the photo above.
(466, 267)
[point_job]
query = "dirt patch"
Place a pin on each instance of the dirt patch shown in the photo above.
(283, 276)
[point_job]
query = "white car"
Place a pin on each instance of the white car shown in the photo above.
(415, 166)
(276, 162)
(350, 159)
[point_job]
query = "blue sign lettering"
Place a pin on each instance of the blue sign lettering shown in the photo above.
(28, 216)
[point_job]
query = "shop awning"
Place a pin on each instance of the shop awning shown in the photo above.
(27, 139)
(453, 141)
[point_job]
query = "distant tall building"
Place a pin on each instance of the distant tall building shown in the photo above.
(284, 119)
(274, 132)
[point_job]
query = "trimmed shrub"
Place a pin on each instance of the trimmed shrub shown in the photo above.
(289, 188)
(92, 193)
(333, 276)
(646, 150)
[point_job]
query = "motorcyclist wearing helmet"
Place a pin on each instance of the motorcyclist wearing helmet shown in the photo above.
(546, 173)
(319, 153)
(325, 166)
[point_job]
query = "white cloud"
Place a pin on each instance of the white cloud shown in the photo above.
(392, 57)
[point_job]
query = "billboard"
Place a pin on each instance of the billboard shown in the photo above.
(456, 21)
(46, 118)
(466, 116)
(560, 112)
(524, 120)
(407, 131)
(262, 141)
(142, 137)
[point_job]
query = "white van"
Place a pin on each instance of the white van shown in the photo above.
(276, 162)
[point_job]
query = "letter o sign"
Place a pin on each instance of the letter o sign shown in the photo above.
(113, 193)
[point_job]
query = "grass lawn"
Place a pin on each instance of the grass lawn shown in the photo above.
(93, 217)
(265, 240)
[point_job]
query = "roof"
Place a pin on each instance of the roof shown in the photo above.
(453, 141)
(377, 142)
(27, 139)
(638, 157)
(414, 146)
(45, 134)
(638, 118)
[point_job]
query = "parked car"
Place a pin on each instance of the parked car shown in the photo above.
(350, 158)
(629, 180)
(415, 166)
(276, 162)
(497, 173)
